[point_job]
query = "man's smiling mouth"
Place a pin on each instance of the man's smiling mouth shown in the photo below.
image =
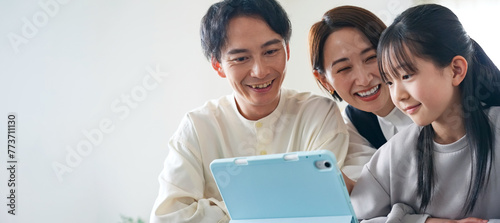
(260, 86)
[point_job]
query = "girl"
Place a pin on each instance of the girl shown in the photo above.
(343, 49)
(445, 166)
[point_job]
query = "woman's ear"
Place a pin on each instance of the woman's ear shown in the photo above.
(217, 67)
(459, 68)
(322, 80)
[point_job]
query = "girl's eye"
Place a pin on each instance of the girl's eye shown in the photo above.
(388, 83)
(406, 76)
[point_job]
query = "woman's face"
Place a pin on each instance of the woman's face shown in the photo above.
(351, 70)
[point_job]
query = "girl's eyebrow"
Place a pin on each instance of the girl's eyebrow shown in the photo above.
(404, 67)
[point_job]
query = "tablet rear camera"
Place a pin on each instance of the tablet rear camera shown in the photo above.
(323, 164)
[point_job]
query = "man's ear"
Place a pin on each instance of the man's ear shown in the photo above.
(287, 52)
(459, 67)
(217, 67)
(322, 80)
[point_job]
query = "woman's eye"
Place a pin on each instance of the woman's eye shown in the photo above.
(343, 69)
(388, 83)
(371, 58)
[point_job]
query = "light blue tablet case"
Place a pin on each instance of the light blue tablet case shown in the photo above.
(283, 188)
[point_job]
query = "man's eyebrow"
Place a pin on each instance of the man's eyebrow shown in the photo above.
(268, 43)
(236, 51)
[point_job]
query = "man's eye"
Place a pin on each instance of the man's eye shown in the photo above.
(240, 59)
(271, 52)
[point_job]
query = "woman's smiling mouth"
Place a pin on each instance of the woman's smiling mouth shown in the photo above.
(369, 92)
(369, 95)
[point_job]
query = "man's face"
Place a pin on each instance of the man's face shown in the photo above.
(254, 62)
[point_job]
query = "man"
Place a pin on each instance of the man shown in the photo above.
(247, 43)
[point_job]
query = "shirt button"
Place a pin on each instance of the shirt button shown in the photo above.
(264, 136)
(263, 152)
(258, 124)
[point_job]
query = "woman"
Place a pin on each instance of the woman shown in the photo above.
(343, 49)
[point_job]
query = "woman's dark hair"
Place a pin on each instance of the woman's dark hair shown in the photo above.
(214, 23)
(434, 32)
(335, 19)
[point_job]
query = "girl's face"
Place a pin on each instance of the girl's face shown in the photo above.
(351, 70)
(429, 95)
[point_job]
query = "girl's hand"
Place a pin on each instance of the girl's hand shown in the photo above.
(465, 220)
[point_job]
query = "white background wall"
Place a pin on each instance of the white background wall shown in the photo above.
(100, 86)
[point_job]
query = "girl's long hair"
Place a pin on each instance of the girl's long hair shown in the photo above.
(434, 32)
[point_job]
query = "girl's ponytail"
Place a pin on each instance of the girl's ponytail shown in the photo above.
(486, 77)
(478, 89)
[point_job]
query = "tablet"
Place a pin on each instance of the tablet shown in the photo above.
(290, 187)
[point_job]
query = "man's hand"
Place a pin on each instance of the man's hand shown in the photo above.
(349, 183)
